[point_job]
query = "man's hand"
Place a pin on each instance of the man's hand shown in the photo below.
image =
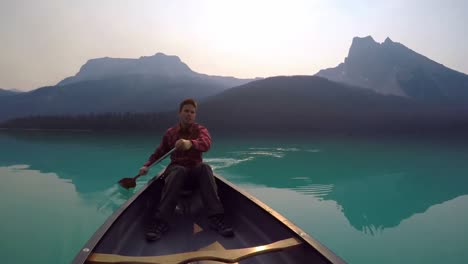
(143, 170)
(183, 144)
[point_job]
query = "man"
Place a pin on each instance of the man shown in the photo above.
(186, 168)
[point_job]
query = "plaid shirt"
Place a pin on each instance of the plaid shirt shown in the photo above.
(196, 133)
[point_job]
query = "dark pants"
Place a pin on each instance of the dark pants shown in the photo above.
(180, 178)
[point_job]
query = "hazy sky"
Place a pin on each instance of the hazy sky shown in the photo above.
(42, 42)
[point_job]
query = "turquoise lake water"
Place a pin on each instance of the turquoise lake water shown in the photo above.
(370, 200)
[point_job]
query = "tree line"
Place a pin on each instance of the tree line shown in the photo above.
(150, 121)
(101, 121)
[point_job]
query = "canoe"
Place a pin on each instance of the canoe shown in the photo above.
(262, 235)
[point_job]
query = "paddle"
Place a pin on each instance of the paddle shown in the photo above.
(128, 183)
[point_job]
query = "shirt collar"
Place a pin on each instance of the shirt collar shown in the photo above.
(179, 128)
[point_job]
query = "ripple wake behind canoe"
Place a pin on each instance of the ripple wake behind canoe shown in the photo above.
(222, 163)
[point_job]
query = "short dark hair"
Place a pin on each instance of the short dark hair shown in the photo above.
(188, 101)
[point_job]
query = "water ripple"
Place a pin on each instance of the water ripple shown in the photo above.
(277, 149)
(312, 150)
(318, 190)
(221, 163)
(275, 154)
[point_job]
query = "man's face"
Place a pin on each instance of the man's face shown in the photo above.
(187, 115)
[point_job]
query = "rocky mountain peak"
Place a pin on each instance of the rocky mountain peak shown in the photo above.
(392, 68)
(102, 68)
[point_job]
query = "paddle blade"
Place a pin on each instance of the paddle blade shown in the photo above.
(127, 183)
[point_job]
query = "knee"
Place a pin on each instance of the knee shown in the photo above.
(206, 168)
(205, 171)
(176, 172)
(177, 169)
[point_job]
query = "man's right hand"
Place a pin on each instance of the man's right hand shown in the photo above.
(143, 170)
(183, 144)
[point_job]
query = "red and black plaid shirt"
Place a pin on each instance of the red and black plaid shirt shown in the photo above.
(196, 133)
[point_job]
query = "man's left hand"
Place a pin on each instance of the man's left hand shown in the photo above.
(183, 144)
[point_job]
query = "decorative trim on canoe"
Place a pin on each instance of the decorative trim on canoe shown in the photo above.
(224, 255)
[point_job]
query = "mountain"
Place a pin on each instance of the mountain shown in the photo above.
(315, 104)
(8, 92)
(287, 105)
(149, 84)
(158, 65)
(392, 68)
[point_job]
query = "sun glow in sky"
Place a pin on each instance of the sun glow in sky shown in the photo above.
(43, 42)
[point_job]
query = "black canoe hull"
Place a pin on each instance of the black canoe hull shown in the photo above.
(255, 224)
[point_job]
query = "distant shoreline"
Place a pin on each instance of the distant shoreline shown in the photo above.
(253, 134)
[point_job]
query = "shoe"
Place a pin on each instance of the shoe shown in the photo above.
(217, 223)
(156, 229)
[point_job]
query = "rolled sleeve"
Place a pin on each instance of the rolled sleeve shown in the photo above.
(203, 142)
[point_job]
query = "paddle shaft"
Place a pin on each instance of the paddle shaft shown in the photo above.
(156, 162)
